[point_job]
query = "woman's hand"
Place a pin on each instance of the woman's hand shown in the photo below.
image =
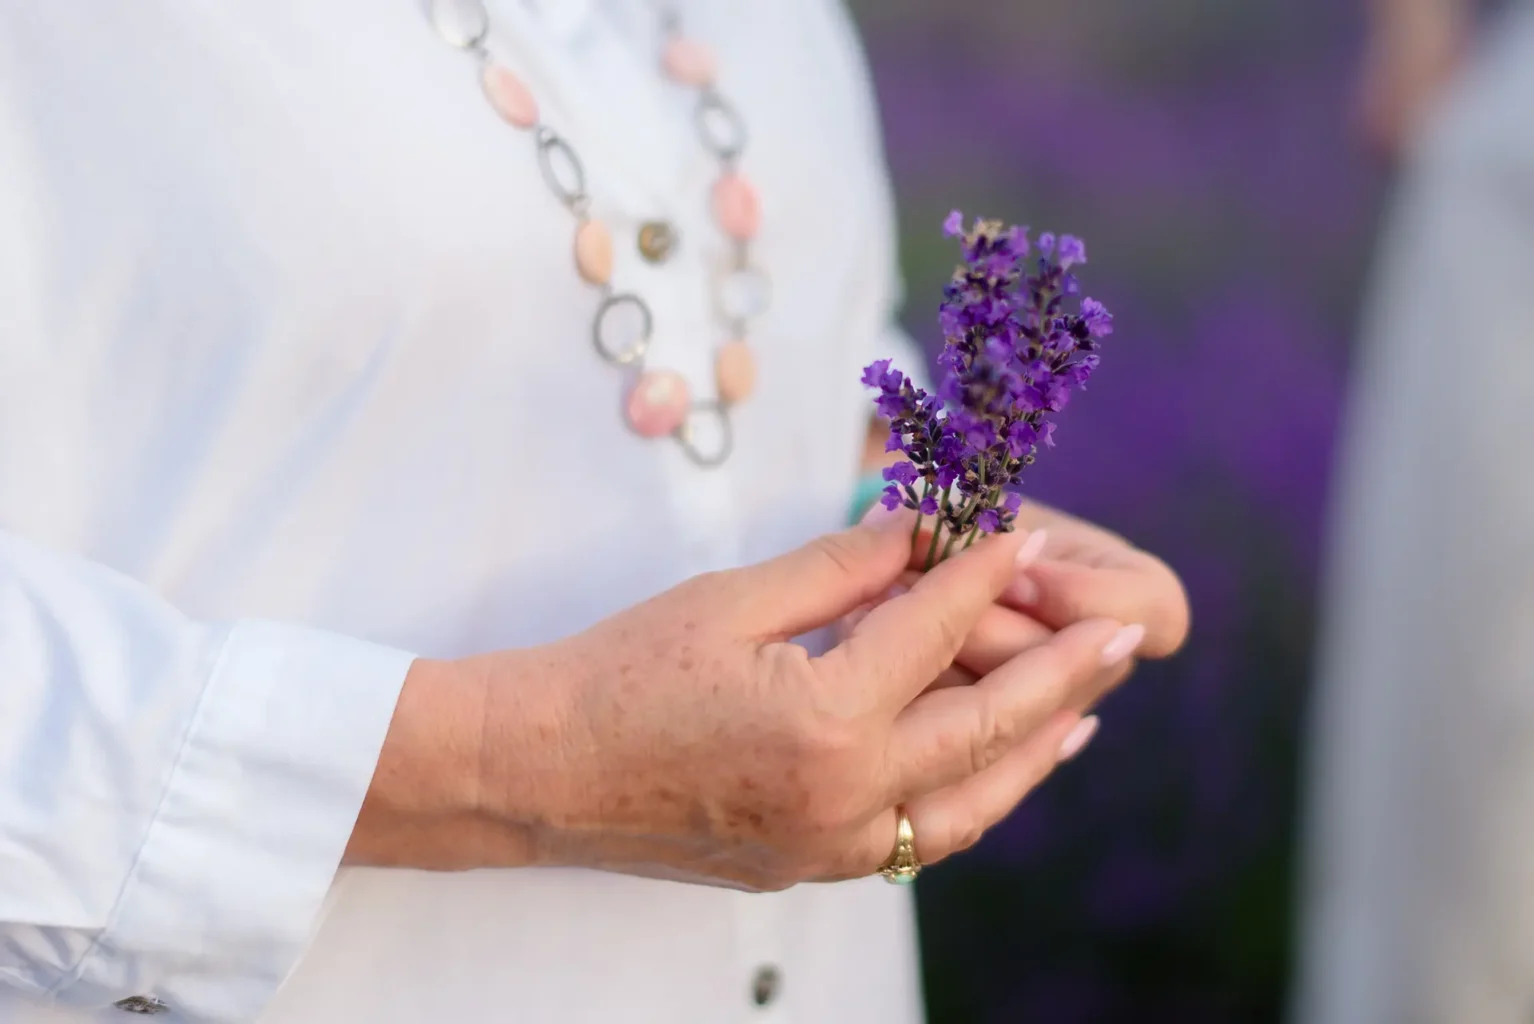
(1084, 571)
(1074, 571)
(688, 738)
(1070, 571)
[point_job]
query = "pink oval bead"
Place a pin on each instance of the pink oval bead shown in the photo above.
(594, 252)
(689, 62)
(737, 207)
(735, 372)
(510, 98)
(658, 404)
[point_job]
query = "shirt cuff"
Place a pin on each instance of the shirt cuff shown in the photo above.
(245, 845)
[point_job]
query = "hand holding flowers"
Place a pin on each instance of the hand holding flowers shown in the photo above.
(1017, 343)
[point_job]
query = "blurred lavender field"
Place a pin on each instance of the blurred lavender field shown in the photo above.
(1201, 148)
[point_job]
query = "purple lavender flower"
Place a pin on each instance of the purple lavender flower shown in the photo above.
(1012, 355)
(1098, 321)
(1072, 251)
(873, 374)
(1019, 241)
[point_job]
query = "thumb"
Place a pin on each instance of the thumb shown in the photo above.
(908, 641)
(828, 577)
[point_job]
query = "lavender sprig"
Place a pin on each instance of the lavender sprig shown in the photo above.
(1012, 354)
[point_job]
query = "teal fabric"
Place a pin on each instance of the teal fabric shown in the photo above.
(869, 487)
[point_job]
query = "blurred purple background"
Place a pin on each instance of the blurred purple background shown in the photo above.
(1202, 149)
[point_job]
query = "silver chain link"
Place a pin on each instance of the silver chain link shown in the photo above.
(465, 25)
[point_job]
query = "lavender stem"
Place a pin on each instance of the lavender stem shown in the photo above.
(937, 531)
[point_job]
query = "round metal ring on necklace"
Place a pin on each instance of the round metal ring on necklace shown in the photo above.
(562, 169)
(622, 328)
(720, 127)
(461, 23)
(686, 436)
(741, 295)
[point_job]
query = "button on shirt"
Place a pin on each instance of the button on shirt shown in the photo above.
(297, 383)
(147, 1006)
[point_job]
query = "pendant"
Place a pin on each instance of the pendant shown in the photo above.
(594, 252)
(735, 372)
(657, 239)
(510, 97)
(658, 404)
(689, 62)
(737, 207)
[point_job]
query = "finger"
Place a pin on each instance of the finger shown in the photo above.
(849, 622)
(955, 818)
(1066, 528)
(1105, 682)
(1000, 635)
(825, 579)
(953, 675)
(1102, 684)
(906, 642)
(948, 735)
(1032, 547)
(1146, 591)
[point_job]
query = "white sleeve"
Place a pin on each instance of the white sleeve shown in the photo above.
(175, 796)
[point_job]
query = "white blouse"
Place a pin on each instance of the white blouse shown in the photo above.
(296, 382)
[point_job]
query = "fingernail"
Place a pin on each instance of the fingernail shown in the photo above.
(1124, 643)
(881, 518)
(1032, 548)
(1023, 591)
(1077, 739)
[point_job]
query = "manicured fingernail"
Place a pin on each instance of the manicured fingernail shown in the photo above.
(1032, 548)
(881, 518)
(1124, 643)
(1023, 591)
(1078, 738)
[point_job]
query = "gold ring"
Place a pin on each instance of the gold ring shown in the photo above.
(902, 866)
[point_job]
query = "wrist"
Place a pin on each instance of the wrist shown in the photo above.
(428, 805)
(530, 758)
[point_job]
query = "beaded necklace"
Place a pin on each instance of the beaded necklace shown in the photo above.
(659, 403)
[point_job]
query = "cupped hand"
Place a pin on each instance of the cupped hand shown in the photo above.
(689, 738)
(1068, 571)
(1084, 571)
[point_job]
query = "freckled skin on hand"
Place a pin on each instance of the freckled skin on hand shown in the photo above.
(681, 737)
(689, 742)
